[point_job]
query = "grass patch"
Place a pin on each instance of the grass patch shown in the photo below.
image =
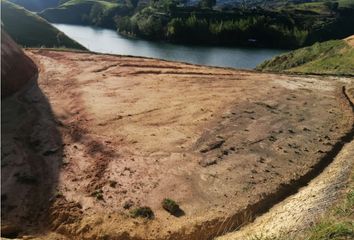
(332, 231)
(143, 212)
(338, 223)
(331, 57)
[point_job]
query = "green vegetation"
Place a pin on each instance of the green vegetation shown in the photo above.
(144, 212)
(276, 23)
(338, 224)
(331, 57)
(87, 12)
(36, 5)
(205, 26)
(98, 194)
(329, 230)
(29, 30)
(171, 206)
(284, 26)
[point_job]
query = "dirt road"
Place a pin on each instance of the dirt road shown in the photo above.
(224, 144)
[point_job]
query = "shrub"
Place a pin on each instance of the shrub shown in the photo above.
(98, 194)
(171, 206)
(144, 212)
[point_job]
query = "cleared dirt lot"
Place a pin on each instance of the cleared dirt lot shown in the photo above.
(225, 144)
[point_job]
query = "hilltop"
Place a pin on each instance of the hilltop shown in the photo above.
(36, 5)
(30, 30)
(88, 12)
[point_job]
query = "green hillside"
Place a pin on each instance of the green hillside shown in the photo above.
(87, 12)
(272, 23)
(331, 57)
(29, 30)
(36, 5)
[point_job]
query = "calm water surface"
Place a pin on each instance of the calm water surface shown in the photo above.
(108, 41)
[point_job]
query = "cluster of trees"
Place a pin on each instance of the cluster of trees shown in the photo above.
(246, 30)
(255, 30)
(99, 16)
(258, 29)
(170, 20)
(145, 24)
(174, 20)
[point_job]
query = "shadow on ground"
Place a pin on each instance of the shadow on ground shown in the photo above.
(31, 146)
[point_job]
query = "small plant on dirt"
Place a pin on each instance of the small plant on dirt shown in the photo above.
(144, 212)
(170, 206)
(25, 178)
(98, 194)
(58, 194)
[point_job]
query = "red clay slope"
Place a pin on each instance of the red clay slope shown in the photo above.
(16, 68)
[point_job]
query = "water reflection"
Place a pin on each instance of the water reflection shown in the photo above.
(108, 41)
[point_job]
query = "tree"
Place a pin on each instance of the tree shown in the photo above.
(207, 3)
(332, 6)
(132, 3)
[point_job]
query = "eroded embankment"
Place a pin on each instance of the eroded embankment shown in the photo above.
(17, 69)
(224, 144)
(298, 212)
(291, 218)
(30, 144)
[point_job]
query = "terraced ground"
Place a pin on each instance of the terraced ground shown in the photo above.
(118, 133)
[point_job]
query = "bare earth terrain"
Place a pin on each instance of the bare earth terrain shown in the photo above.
(117, 133)
(292, 217)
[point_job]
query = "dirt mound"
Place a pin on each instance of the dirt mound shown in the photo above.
(350, 40)
(16, 68)
(223, 144)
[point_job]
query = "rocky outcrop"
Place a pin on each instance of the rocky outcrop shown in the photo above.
(16, 68)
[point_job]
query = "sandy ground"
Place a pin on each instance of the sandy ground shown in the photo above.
(224, 144)
(350, 40)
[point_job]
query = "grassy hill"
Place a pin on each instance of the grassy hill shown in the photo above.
(29, 30)
(88, 12)
(331, 57)
(36, 5)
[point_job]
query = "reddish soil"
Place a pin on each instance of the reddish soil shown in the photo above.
(224, 144)
(16, 68)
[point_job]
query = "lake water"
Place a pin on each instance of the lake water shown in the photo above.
(109, 41)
